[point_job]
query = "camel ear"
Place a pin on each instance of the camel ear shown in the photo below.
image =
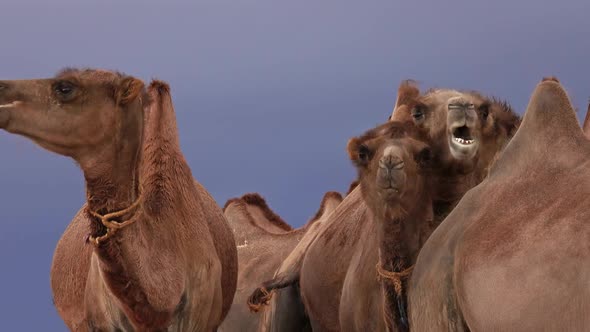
(358, 153)
(407, 92)
(129, 89)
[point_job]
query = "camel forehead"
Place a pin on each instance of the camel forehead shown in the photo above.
(95, 75)
(442, 96)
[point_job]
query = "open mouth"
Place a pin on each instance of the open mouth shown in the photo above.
(462, 135)
(463, 143)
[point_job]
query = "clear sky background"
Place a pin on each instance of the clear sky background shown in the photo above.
(267, 93)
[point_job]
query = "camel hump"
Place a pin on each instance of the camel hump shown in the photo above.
(241, 221)
(160, 86)
(253, 207)
(329, 203)
(407, 92)
(549, 115)
(161, 125)
(264, 216)
(550, 78)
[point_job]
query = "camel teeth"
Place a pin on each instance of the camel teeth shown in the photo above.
(463, 141)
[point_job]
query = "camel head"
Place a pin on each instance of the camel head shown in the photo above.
(391, 160)
(467, 129)
(83, 114)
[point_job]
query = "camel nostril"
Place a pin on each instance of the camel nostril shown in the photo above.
(391, 162)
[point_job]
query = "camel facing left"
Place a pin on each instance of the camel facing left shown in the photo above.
(150, 250)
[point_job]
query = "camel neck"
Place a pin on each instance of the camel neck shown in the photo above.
(401, 235)
(112, 183)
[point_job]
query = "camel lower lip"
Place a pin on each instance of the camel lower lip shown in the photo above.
(391, 190)
(464, 149)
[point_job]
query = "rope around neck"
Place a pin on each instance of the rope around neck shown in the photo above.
(394, 277)
(111, 226)
(261, 299)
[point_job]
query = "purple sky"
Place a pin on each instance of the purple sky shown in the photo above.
(267, 94)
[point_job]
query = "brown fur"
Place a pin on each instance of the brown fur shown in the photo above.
(513, 254)
(340, 245)
(261, 251)
(175, 266)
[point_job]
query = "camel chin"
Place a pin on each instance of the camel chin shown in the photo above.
(5, 114)
(4, 118)
(463, 140)
(463, 149)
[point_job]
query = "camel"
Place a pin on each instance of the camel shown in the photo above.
(261, 249)
(150, 250)
(513, 255)
(395, 165)
(466, 139)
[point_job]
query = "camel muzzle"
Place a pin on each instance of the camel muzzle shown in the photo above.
(391, 176)
(462, 123)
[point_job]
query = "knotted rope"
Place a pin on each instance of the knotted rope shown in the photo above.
(394, 277)
(112, 226)
(259, 298)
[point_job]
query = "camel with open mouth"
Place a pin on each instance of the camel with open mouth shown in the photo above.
(513, 255)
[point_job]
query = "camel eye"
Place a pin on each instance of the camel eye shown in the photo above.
(364, 153)
(64, 89)
(418, 112)
(484, 110)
